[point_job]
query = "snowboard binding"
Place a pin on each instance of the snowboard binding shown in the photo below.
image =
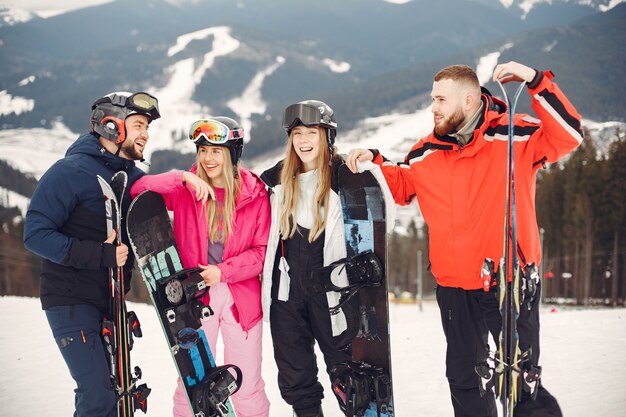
(363, 270)
(209, 398)
(181, 288)
(357, 384)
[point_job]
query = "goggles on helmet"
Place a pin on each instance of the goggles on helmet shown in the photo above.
(144, 102)
(306, 114)
(141, 102)
(213, 132)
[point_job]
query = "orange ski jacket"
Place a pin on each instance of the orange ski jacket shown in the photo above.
(461, 190)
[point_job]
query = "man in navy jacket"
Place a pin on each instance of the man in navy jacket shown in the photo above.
(66, 226)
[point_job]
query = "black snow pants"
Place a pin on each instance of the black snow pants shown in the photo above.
(467, 316)
(296, 324)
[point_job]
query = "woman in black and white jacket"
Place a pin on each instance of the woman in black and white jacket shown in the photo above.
(307, 233)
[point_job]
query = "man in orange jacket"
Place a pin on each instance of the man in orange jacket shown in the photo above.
(458, 175)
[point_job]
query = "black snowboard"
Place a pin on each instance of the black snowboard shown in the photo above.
(175, 293)
(363, 207)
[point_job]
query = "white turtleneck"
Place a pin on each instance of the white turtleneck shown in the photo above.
(305, 210)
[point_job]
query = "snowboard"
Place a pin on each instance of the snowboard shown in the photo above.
(119, 329)
(364, 385)
(175, 293)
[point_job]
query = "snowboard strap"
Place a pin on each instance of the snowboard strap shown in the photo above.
(363, 270)
(357, 384)
(211, 396)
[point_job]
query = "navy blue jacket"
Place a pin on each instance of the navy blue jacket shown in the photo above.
(66, 226)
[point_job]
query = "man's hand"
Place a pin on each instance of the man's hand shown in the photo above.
(211, 274)
(203, 190)
(358, 155)
(513, 71)
(121, 251)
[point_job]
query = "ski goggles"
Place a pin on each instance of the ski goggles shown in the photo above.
(143, 102)
(213, 132)
(140, 102)
(306, 114)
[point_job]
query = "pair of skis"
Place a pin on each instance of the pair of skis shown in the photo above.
(513, 284)
(118, 331)
(509, 356)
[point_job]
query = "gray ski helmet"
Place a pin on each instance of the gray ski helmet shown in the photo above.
(311, 113)
(109, 112)
(234, 141)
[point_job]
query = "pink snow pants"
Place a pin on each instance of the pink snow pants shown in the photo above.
(240, 348)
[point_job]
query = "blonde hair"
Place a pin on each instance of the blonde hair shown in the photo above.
(215, 213)
(292, 166)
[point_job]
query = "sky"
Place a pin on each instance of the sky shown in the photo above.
(47, 8)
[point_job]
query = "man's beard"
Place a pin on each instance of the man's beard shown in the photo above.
(450, 124)
(128, 148)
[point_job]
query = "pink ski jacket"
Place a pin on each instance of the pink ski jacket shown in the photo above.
(244, 250)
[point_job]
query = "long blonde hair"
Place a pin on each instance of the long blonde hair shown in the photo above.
(292, 167)
(215, 213)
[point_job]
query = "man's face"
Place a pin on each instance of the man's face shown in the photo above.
(136, 137)
(447, 107)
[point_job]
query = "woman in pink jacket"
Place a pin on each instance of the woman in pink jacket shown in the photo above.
(225, 235)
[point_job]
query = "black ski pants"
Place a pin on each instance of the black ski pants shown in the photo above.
(295, 326)
(467, 316)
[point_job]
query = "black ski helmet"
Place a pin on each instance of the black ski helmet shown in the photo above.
(109, 112)
(235, 137)
(311, 113)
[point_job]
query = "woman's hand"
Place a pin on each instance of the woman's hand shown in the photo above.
(203, 190)
(211, 274)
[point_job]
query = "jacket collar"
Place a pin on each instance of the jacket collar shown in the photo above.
(271, 177)
(88, 144)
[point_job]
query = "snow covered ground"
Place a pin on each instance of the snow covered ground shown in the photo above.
(582, 355)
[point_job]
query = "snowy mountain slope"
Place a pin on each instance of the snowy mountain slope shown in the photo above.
(10, 198)
(33, 151)
(11, 15)
(342, 49)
